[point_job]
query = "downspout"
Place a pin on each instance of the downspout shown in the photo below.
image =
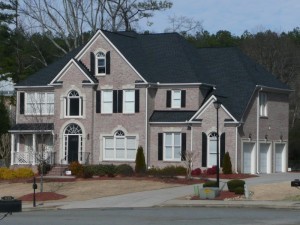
(146, 128)
(236, 147)
(257, 133)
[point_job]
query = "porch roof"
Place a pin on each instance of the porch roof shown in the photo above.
(171, 116)
(32, 127)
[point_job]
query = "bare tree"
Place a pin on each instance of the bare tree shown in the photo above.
(5, 148)
(70, 19)
(184, 25)
(188, 159)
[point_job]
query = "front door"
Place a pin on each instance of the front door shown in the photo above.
(73, 148)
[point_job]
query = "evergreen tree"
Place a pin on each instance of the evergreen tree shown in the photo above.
(4, 117)
(140, 164)
(227, 166)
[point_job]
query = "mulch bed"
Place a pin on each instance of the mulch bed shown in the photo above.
(44, 196)
(223, 195)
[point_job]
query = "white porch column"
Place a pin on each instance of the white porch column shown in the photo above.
(34, 148)
(12, 149)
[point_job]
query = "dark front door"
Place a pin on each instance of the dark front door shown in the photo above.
(73, 148)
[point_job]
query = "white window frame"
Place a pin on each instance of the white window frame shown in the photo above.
(67, 105)
(263, 104)
(128, 104)
(100, 55)
(106, 103)
(175, 99)
(119, 135)
(39, 105)
(174, 157)
(212, 137)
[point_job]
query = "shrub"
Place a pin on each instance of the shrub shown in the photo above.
(96, 170)
(212, 170)
(210, 184)
(45, 166)
(239, 191)
(196, 172)
(168, 171)
(23, 173)
(140, 164)
(110, 170)
(76, 168)
(124, 170)
(233, 184)
(84, 173)
(8, 174)
(227, 166)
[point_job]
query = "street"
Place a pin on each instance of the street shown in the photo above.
(157, 215)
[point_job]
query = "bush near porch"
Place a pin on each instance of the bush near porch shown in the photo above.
(9, 174)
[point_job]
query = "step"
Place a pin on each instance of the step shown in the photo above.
(57, 171)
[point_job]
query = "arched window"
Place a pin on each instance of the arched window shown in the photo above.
(73, 105)
(73, 129)
(119, 147)
(101, 63)
(212, 160)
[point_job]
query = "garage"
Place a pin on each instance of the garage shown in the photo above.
(264, 158)
(248, 157)
(279, 157)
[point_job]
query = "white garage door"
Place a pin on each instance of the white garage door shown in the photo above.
(279, 151)
(263, 158)
(247, 157)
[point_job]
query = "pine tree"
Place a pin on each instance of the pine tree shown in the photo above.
(140, 164)
(227, 166)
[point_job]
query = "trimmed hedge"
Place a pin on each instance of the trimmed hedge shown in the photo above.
(239, 191)
(124, 170)
(233, 184)
(140, 164)
(168, 171)
(8, 174)
(210, 184)
(102, 170)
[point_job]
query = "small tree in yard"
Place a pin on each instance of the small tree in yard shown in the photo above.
(140, 164)
(227, 166)
(188, 158)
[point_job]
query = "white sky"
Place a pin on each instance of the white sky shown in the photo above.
(235, 16)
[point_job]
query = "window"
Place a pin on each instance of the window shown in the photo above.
(107, 101)
(176, 99)
(73, 106)
(119, 147)
(172, 146)
(263, 104)
(39, 103)
(101, 63)
(128, 101)
(212, 149)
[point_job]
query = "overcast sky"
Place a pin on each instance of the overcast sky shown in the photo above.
(235, 16)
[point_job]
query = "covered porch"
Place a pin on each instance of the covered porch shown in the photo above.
(32, 143)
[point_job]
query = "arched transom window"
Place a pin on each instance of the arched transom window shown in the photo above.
(119, 147)
(73, 104)
(73, 129)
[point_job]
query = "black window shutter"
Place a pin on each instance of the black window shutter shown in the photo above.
(183, 146)
(183, 97)
(204, 149)
(168, 103)
(115, 101)
(120, 101)
(108, 63)
(98, 101)
(160, 146)
(22, 102)
(222, 148)
(92, 63)
(137, 101)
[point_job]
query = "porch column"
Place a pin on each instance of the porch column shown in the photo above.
(34, 148)
(12, 149)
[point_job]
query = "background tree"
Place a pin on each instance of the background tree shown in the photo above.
(4, 136)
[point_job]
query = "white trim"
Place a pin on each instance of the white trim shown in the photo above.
(64, 71)
(252, 156)
(206, 105)
(173, 159)
(284, 160)
(31, 87)
(262, 87)
(146, 128)
(92, 41)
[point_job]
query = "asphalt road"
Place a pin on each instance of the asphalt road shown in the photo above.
(153, 216)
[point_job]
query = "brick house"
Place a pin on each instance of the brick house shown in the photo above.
(123, 90)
